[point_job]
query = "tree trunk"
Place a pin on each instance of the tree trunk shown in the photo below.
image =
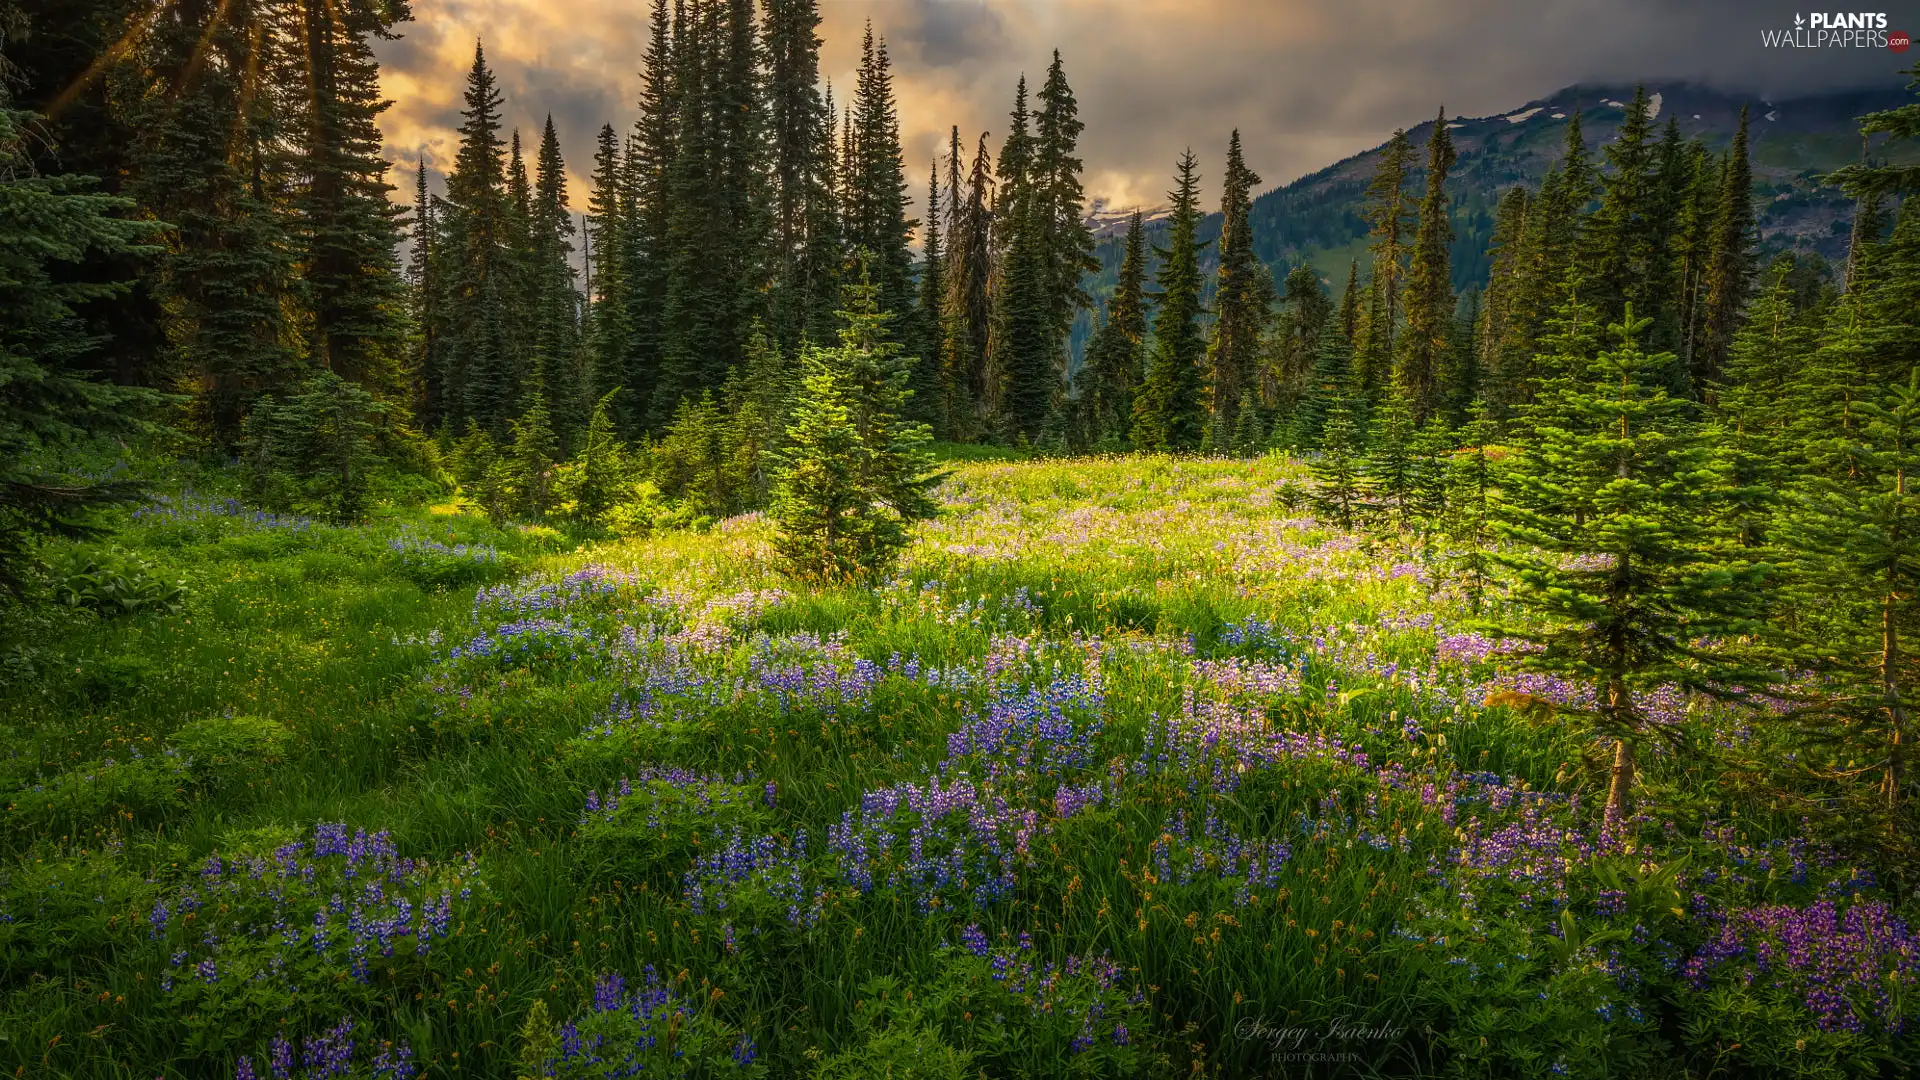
(1896, 710)
(1621, 784)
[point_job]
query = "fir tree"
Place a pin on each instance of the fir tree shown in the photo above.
(1058, 210)
(967, 310)
(875, 205)
(1432, 454)
(1386, 214)
(481, 380)
(1332, 382)
(1754, 402)
(853, 477)
(323, 439)
(1340, 487)
(1504, 282)
(344, 226)
(1729, 264)
(1622, 566)
(591, 484)
(804, 232)
(555, 301)
(48, 400)
(1421, 360)
(1468, 521)
(1852, 548)
(926, 380)
(1249, 432)
(202, 164)
(1885, 177)
(1295, 345)
(1243, 294)
(1170, 412)
(610, 345)
(531, 459)
(1112, 374)
(1390, 464)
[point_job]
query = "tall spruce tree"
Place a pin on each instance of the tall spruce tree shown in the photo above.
(1170, 413)
(345, 228)
(1852, 552)
(968, 305)
(1294, 346)
(1113, 372)
(805, 244)
(1243, 294)
(875, 206)
(1423, 356)
(854, 476)
(609, 233)
(555, 301)
(926, 380)
(203, 164)
(481, 377)
(1386, 215)
(1059, 212)
(1729, 265)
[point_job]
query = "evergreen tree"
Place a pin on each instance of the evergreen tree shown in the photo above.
(1295, 345)
(322, 439)
(638, 209)
(555, 301)
(1332, 381)
(1390, 464)
(609, 344)
(926, 380)
(1626, 247)
(759, 403)
(1468, 521)
(426, 363)
(1422, 358)
(1169, 413)
(1112, 374)
(1872, 181)
(203, 165)
(532, 457)
(1350, 305)
(690, 462)
(1497, 310)
(1340, 488)
(1432, 454)
(1622, 566)
(345, 228)
(854, 477)
(1729, 264)
(804, 235)
(48, 399)
(1058, 210)
(1852, 552)
(1243, 294)
(1754, 403)
(875, 205)
(968, 307)
(1249, 431)
(591, 484)
(1386, 214)
(482, 365)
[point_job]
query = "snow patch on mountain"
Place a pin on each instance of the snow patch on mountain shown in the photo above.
(1523, 115)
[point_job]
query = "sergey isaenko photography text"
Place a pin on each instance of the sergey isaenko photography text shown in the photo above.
(958, 539)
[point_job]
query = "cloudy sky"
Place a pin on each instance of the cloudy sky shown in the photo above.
(1306, 81)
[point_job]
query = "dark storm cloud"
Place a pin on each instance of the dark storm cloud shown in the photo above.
(1306, 81)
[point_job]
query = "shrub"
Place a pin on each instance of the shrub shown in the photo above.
(115, 583)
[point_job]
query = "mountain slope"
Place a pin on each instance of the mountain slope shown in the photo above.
(1316, 219)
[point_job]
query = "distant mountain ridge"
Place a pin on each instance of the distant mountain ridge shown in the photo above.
(1317, 218)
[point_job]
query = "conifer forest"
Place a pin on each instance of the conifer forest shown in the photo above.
(765, 600)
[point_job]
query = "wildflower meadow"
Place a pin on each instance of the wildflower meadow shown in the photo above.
(1131, 768)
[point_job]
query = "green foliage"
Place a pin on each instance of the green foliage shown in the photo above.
(113, 582)
(854, 476)
(1623, 566)
(314, 451)
(1169, 413)
(49, 225)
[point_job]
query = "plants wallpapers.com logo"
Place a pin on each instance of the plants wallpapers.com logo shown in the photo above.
(1840, 29)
